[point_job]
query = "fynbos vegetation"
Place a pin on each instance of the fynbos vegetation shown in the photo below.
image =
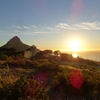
(48, 77)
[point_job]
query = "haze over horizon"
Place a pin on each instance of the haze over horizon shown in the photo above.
(50, 24)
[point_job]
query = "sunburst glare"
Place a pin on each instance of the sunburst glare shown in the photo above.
(74, 45)
(75, 55)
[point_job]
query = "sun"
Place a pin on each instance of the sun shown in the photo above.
(74, 45)
(74, 55)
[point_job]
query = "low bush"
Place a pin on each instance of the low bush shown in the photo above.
(3, 57)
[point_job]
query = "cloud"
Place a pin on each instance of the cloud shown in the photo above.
(16, 31)
(63, 26)
(53, 29)
(26, 27)
(25, 32)
(1, 31)
(46, 30)
(94, 25)
(80, 26)
(10, 32)
(33, 26)
(18, 27)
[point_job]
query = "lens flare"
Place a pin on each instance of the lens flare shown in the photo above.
(76, 78)
(77, 8)
(42, 77)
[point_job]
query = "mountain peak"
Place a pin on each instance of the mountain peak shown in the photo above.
(16, 43)
(15, 38)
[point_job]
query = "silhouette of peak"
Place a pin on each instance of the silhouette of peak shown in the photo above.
(15, 38)
(16, 43)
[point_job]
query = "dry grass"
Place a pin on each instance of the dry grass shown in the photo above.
(10, 74)
(2, 62)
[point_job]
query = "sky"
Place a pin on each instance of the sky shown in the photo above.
(51, 24)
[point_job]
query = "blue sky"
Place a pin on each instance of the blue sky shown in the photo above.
(51, 24)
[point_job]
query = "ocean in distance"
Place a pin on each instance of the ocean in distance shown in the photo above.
(91, 55)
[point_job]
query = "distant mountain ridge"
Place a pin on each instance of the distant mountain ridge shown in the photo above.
(16, 43)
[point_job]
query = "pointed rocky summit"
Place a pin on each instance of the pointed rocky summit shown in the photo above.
(16, 43)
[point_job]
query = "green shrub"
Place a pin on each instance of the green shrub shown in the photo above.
(3, 57)
(30, 63)
(43, 61)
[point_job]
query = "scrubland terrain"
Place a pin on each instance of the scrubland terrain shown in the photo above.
(49, 78)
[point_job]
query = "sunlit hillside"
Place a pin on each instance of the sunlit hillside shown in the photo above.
(48, 76)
